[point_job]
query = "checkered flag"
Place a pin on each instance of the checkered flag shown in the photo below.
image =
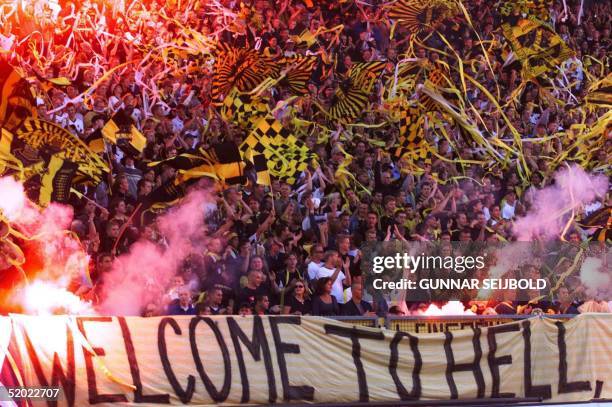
(411, 134)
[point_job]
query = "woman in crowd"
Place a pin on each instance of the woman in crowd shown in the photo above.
(324, 303)
(299, 302)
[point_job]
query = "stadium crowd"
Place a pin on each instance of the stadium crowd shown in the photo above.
(296, 248)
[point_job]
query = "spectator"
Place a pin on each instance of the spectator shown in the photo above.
(332, 268)
(173, 292)
(245, 309)
(564, 303)
(253, 288)
(357, 306)
(324, 303)
(298, 302)
(214, 300)
(287, 277)
(316, 257)
(262, 305)
(182, 306)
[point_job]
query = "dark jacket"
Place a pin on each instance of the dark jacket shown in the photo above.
(350, 308)
(175, 309)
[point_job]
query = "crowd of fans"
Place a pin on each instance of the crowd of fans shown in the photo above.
(296, 248)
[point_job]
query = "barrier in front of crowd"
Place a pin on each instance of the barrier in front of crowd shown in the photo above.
(431, 324)
(372, 322)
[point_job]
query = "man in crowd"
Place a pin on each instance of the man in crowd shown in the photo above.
(182, 306)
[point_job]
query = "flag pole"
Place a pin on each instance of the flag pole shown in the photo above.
(124, 227)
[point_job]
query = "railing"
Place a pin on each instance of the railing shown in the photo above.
(373, 322)
(429, 324)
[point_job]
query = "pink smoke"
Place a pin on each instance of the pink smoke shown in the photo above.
(46, 231)
(554, 205)
(148, 267)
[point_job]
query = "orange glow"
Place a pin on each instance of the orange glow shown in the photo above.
(450, 308)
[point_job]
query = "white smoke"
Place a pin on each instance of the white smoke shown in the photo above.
(555, 204)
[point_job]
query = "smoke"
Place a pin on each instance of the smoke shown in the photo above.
(508, 257)
(42, 298)
(13, 198)
(553, 205)
(54, 255)
(141, 274)
(594, 277)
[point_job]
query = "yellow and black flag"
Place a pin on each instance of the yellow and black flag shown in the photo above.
(352, 95)
(95, 141)
(47, 138)
(120, 130)
(223, 163)
(536, 46)
(411, 133)
(17, 102)
(600, 93)
(190, 169)
(348, 103)
(228, 165)
(243, 109)
(269, 128)
(260, 166)
(299, 71)
(240, 68)
(363, 75)
(56, 181)
(421, 15)
(16, 155)
(253, 150)
(185, 161)
(10, 163)
(163, 196)
(297, 157)
(285, 155)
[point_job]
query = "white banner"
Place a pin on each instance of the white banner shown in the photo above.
(233, 360)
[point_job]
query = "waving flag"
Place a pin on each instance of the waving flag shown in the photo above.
(56, 181)
(47, 139)
(16, 99)
(421, 15)
(352, 94)
(600, 93)
(411, 134)
(242, 108)
(536, 46)
(241, 68)
(121, 129)
(300, 69)
(285, 155)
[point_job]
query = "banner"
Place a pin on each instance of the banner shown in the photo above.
(235, 360)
